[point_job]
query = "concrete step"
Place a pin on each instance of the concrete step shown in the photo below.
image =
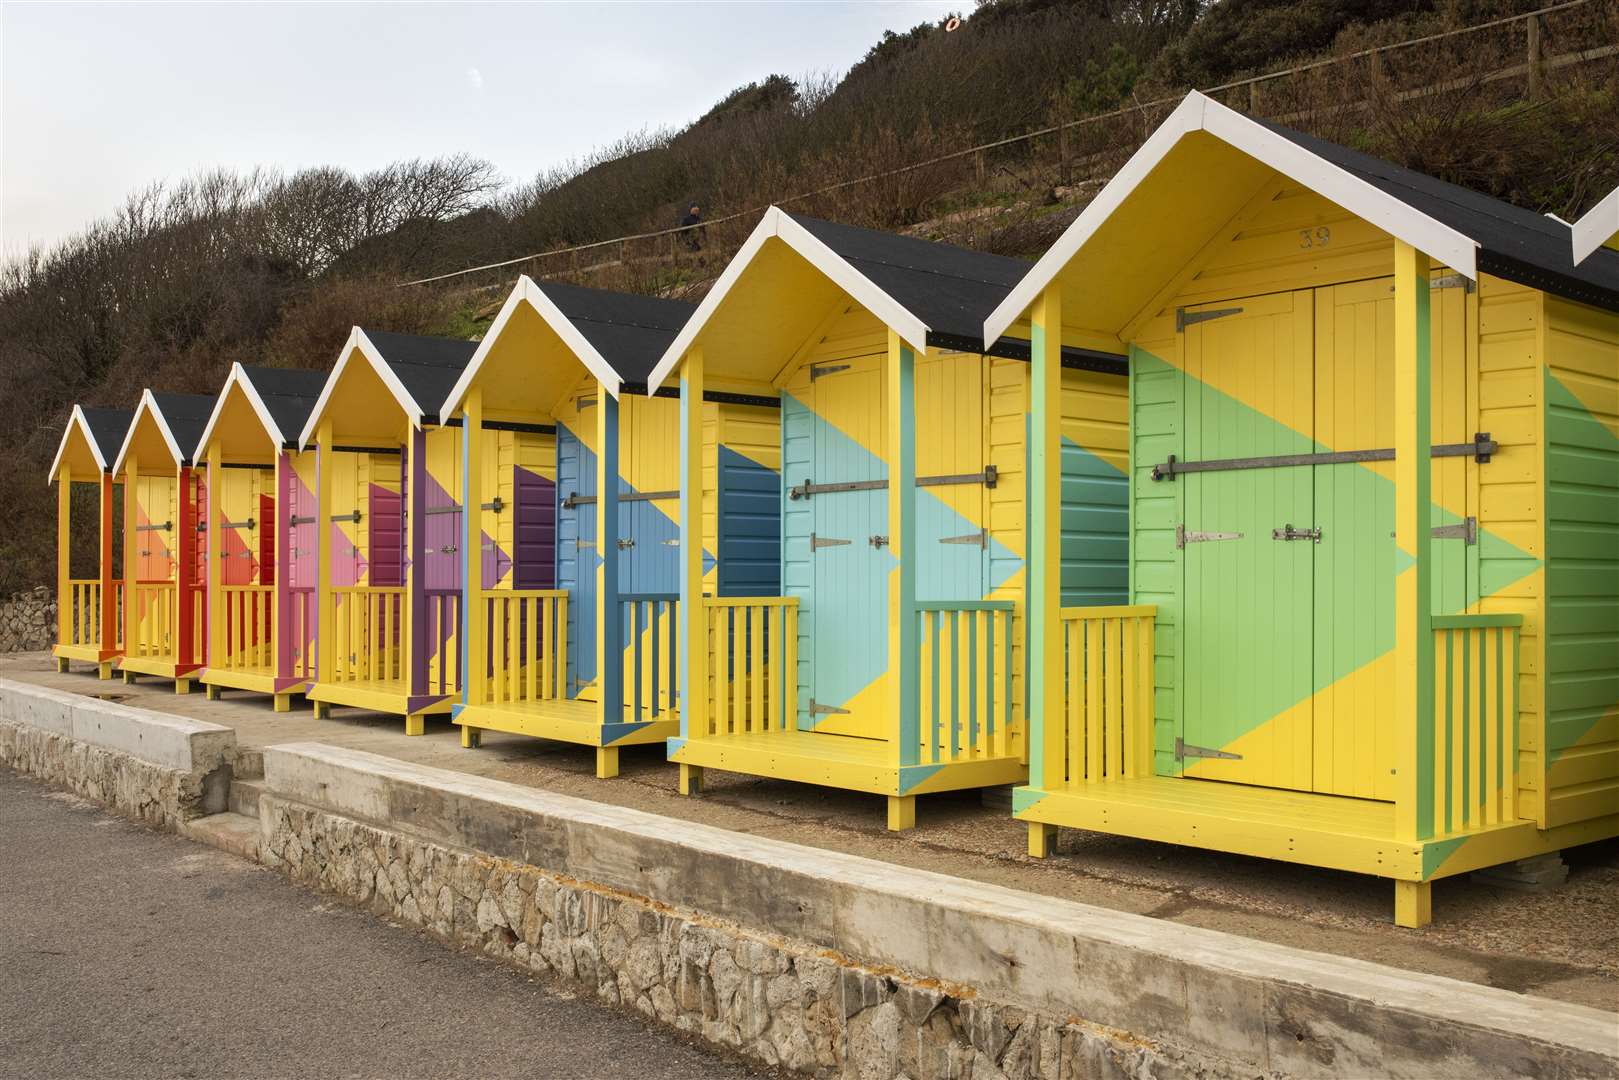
(249, 764)
(244, 797)
(232, 833)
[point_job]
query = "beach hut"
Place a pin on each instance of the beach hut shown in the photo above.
(164, 555)
(1374, 554)
(592, 659)
(261, 583)
(891, 659)
(387, 528)
(1598, 228)
(87, 624)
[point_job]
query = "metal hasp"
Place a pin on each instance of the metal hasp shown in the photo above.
(1184, 536)
(248, 524)
(819, 542)
(987, 477)
(625, 543)
(165, 526)
(1185, 749)
(575, 499)
(1465, 530)
(878, 541)
(1184, 318)
(1288, 532)
(1480, 450)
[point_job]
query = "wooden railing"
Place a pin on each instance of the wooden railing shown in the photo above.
(1107, 693)
(248, 631)
(752, 666)
(652, 666)
(965, 680)
(1475, 765)
(157, 613)
(368, 634)
(301, 626)
(442, 628)
(83, 623)
(526, 645)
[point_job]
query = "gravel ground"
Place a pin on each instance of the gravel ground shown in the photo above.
(1560, 944)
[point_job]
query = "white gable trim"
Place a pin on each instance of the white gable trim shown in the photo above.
(76, 419)
(361, 344)
(527, 292)
(148, 404)
(1200, 113)
(239, 377)
(1597, 227)
(778, 224)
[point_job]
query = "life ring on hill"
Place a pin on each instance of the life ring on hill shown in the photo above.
(952, 24)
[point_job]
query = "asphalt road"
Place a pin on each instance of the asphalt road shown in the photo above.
(128, 953)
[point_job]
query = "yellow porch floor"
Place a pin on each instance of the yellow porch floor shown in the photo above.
(1317, 830)
(841, 761)
(567, 720)
(257, 680)
(377, 695)
(163, 667)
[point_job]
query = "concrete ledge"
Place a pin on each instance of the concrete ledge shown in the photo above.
(164, 740)
(1242, 1005)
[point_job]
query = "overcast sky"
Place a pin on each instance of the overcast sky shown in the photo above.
(100, 99)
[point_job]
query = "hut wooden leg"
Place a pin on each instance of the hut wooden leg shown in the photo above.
(1042, 839)
(323, 710)
(182, 686)
(104, 670)
(606, 762)
(901, 812)
(691, 779)
(471, 737)
(1413, 903)
(129, 677)
(61, 665)
(415, 724)
(212, 692)
(283, 703)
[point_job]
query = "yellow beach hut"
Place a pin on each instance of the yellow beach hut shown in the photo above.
(1374, 514)
(592, 659)
(260, 580)
(88, 628)
(387, 526)
(891, 659)
(163, 555)
(1597, 228)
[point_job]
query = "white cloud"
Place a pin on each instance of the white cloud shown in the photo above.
(475, 78)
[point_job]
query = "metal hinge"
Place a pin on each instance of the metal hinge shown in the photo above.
(431, 510)
(1184, 536)
(1465, 530)
(979, 539)
(310, 520)
(248, 524)
(353, 515)
(1288, 532)
(1184, 318)
(584, 403)
(1452, 281)
(819, 542)
(1185, 749)
(826, 369)
(497, 505)
(817, 709)
(167, 526)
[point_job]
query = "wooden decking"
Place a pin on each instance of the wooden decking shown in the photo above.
(1316, 830)
(570, 720)
(377, 695)
(161, 666)
(840, 761)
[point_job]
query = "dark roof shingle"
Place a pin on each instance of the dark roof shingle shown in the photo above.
(288, 393)
(187, 416)
(107, 429)
(426, 366)
(630, 331)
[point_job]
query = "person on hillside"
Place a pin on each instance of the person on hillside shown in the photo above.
(693, 223)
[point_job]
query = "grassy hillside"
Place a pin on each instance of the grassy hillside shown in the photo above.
(182, 280)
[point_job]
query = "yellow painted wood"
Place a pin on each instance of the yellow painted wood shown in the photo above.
(1413, 904)
(65, 607)
(216, 622)
(1043, 625)
(131, 552)
(901, 812)
(1107, 693)
(1042, 839)
(606, 762)
(326, 626)
(474, 686)
(691, 779)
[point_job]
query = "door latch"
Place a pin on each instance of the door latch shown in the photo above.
(448, 549)
(1288, 532)
(625, 543)
(877, 541)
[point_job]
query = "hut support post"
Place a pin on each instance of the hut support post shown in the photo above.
(1413, 646)
(281, 634)
(474, 647)
(132, 564)
(609, 623)
(903, 644)
(108, 616)
(215, 652)
(325, 622)
(416, 641)
(185, 581)
(65, 613)
(1042, 624)
(693, 639)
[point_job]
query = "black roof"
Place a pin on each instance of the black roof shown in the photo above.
(1516, 244)
(631, 332)
(288, 393)
(427, 366)
(107, 429)
(187, 416)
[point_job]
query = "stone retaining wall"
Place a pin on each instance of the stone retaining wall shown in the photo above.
(28, 621)
(774, 1000)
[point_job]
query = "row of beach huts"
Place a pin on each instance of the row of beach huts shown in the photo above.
(1275, 510)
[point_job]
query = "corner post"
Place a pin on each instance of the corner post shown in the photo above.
(609, 638)
(108, 616)
(1042, 620)
(325, 620)
(185, 575)
(903, 639)
(65, 613)
(281, 634)
(213, 603)
(693, 636)
(1413, 478)
(132, 558)
(416, 638)
(474, 649)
